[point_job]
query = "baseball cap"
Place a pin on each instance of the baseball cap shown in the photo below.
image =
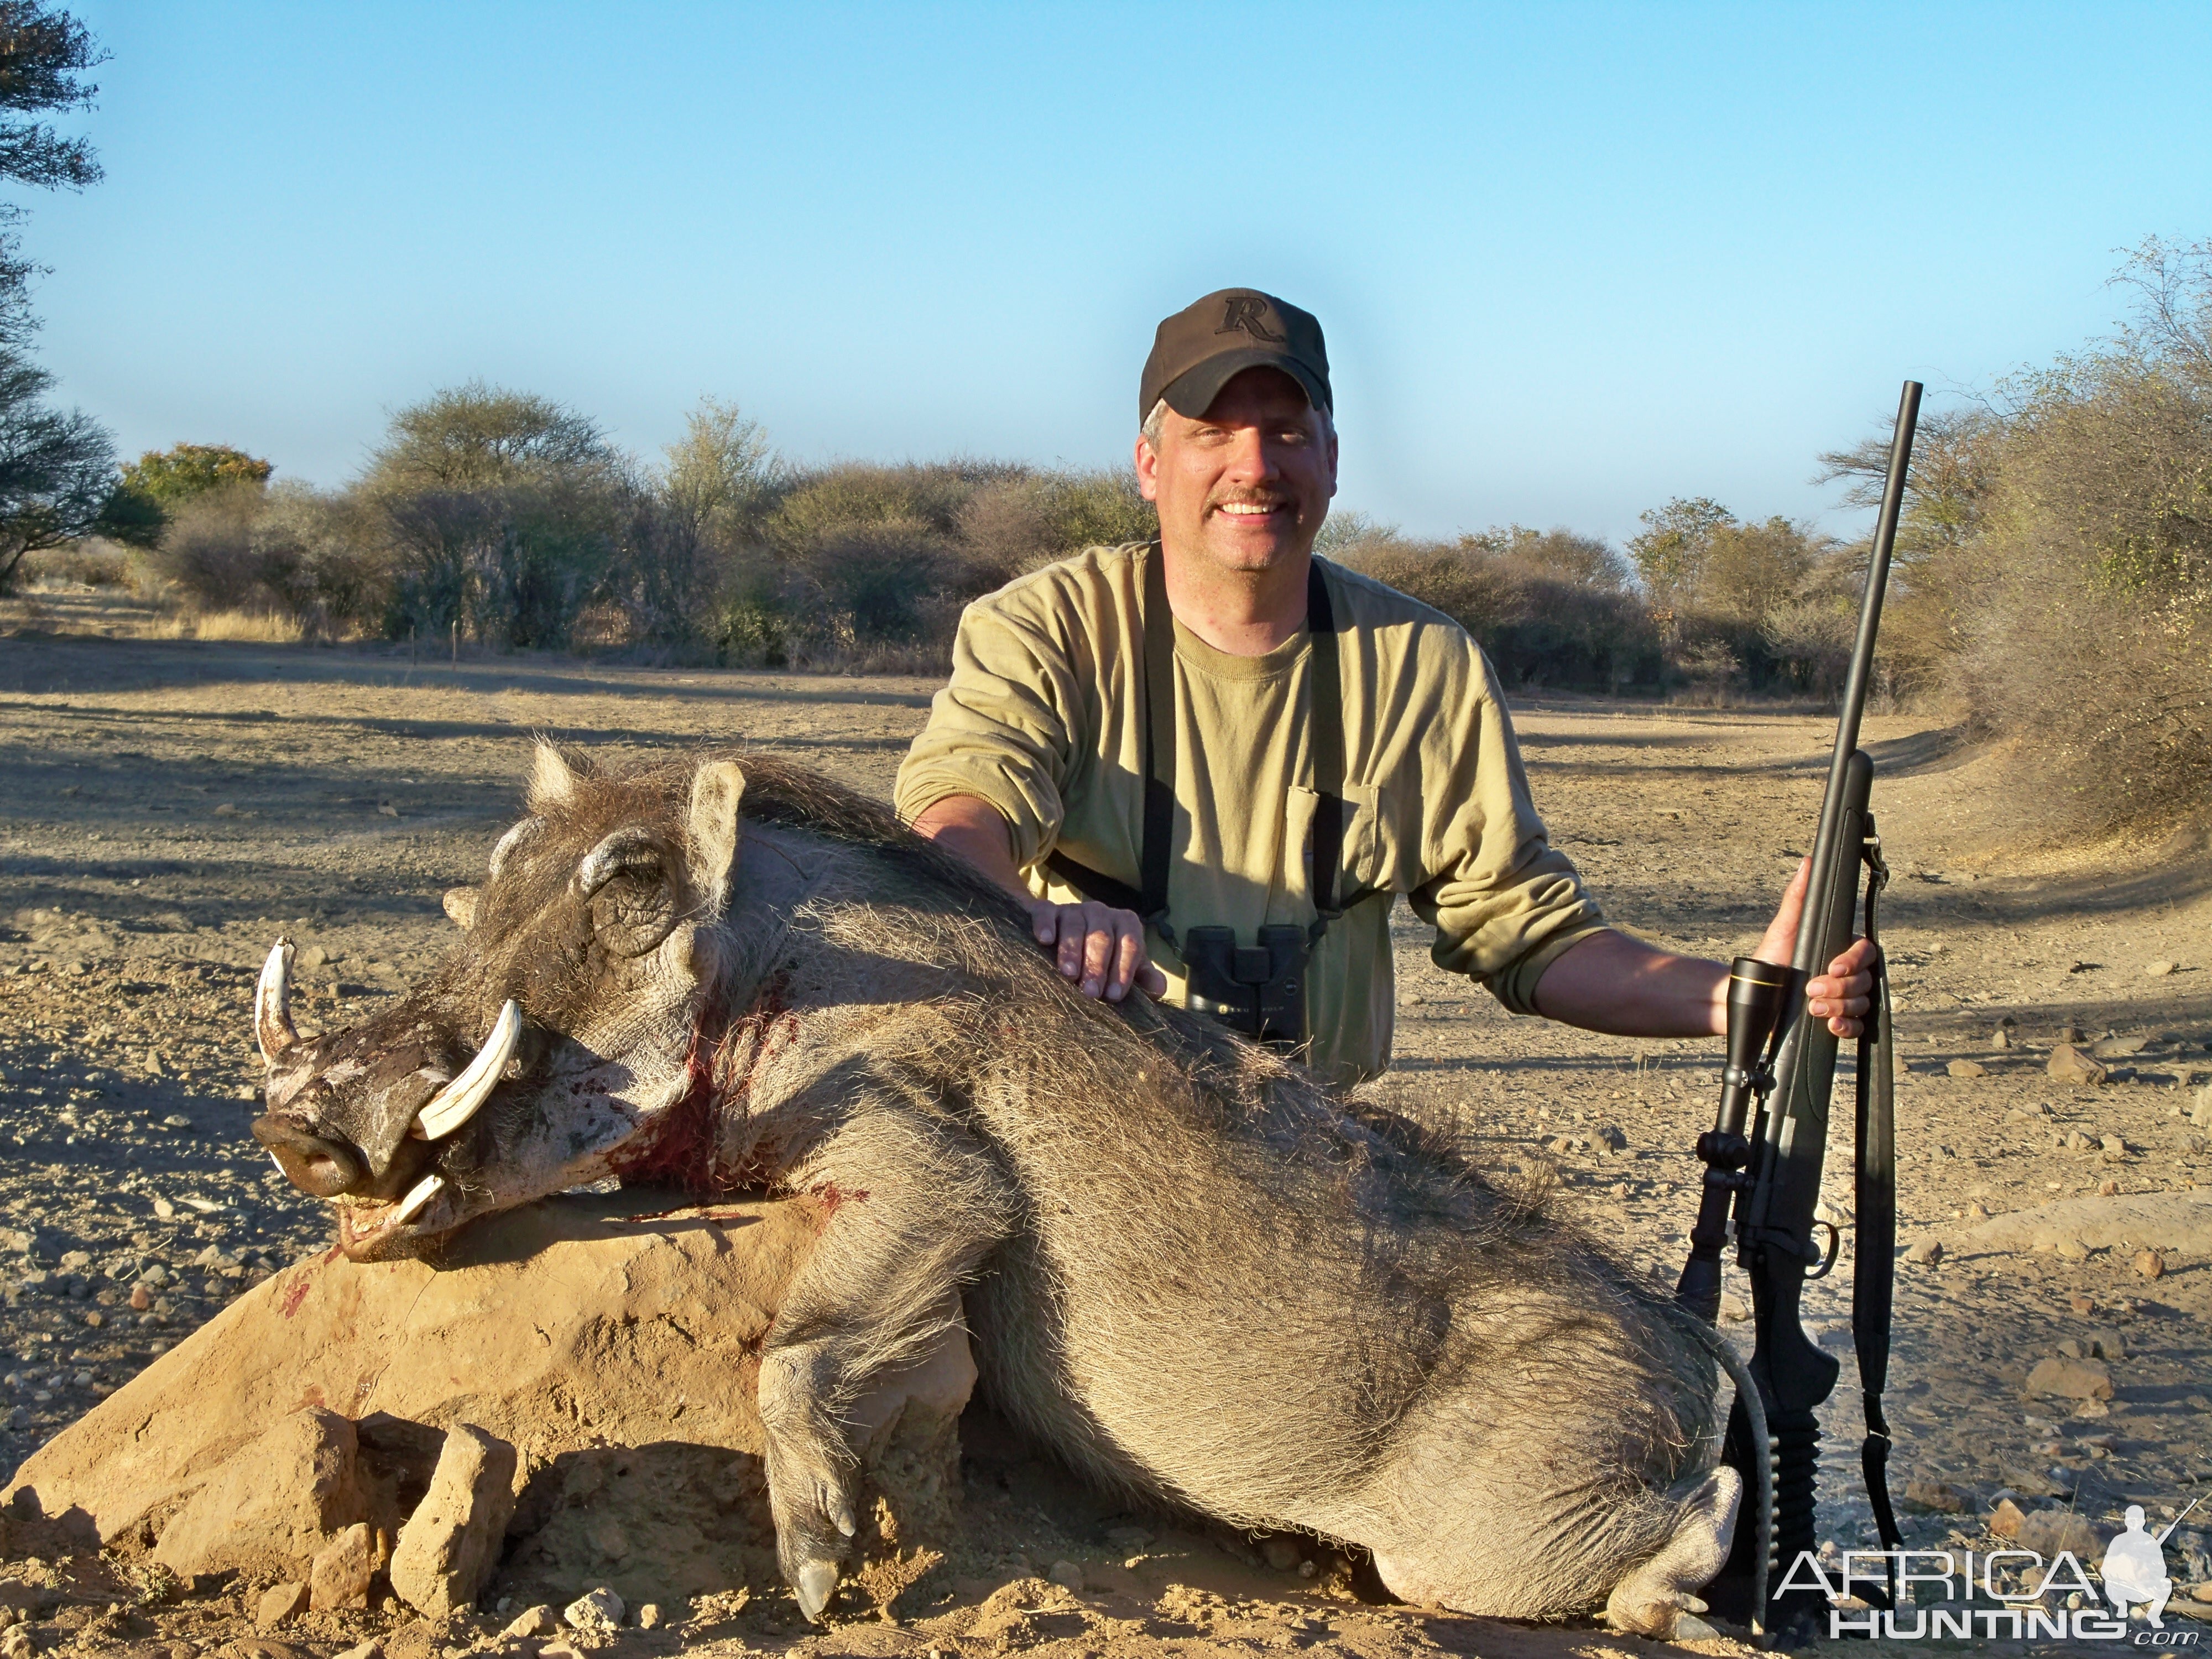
(1202, 348)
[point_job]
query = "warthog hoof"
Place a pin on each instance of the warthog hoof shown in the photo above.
(817, 1584)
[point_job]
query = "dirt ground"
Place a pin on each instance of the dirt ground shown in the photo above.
(166, 807)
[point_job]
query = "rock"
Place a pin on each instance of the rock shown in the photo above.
(2005, 1518)
(2150, 1264)
(1938, 1497)
(1967, 1068)
(2028, 1481)
(2049, 1531)
(450, 1546)
(279, 1605)
(649, 1616)
(1733, 1307)
(2172, 1221)
(1612, 1138)
(2001, 1037)
(2157, 969)
(418, 1639)
(1067, 1575)
(17, 1643)
(372, 1649)
(1925, 1252)
(340, 1575)
(1281, 1553)
(2071, 1379)
(607, 1537)
(595, 1613)
(692, 1292)
(533, 1621)
(2108, 1189)
(276, 1501)
(1976, 1211)
(2114, 1148)
(2069, 1065)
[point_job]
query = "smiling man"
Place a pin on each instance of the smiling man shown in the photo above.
(1209, 765)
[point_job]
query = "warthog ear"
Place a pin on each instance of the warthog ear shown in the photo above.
(710, 828)
(461, 906)
(552, 780)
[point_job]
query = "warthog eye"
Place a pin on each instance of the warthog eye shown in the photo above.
(626, 881)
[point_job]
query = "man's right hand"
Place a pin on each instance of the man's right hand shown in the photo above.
(1100, 948)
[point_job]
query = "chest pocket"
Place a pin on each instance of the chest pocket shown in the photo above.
(1371, 856)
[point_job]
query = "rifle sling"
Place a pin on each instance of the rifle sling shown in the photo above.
(1150, 898)
(1874, 1210)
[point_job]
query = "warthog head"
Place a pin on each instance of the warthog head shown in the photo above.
(555, 1046)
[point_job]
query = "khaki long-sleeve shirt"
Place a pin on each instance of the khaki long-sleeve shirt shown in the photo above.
(1043, 718)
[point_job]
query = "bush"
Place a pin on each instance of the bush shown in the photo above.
(2087, 638)
(208, 551)
(82, 564)
(1549, 607)
(2055, 563)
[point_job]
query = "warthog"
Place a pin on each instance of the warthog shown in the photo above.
(1200, 1276)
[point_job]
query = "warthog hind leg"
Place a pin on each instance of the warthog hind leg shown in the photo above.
(1651, 1600)
(912, 1205)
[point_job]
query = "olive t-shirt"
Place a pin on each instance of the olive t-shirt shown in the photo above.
(1043, 719)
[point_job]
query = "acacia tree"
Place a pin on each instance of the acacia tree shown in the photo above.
(57, 470)
(506, 513)
(183, 471)
(44, 53)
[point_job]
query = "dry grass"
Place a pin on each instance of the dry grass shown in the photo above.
(251, 627)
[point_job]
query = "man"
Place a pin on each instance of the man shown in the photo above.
(1159, 730)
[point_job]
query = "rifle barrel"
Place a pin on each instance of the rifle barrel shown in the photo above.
(1806, 959)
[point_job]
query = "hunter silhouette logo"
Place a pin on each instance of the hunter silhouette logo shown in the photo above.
(2133, 1570)
(1248, 311)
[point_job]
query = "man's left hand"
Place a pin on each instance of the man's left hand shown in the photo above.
(1843, 994)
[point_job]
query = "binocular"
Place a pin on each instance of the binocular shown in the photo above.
(1258, 990)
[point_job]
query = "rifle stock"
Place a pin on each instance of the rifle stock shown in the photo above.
(1775, 1197)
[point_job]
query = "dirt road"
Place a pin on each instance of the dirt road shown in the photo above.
(169, 806)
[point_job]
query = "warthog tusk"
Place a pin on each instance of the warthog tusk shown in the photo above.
(272, 1004)
(419, 1194)
(457, 1102)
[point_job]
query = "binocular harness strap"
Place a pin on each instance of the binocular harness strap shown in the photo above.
(1149, 899)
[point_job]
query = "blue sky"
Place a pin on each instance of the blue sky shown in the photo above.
(1571, 259)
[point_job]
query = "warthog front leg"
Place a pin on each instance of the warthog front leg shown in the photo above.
(912, 1205)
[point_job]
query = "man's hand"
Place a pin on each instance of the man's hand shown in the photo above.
(1100, 948)
(1844, 994)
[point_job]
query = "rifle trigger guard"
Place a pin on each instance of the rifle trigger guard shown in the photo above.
(1835, 1243)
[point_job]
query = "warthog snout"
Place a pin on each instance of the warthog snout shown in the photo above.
(316, 1165)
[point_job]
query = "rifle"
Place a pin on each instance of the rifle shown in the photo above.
(1765, 1177)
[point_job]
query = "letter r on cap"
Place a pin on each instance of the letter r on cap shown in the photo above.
(1248, 313)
